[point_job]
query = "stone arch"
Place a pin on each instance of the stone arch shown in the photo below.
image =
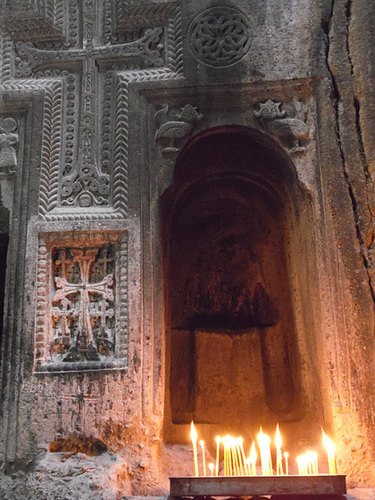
(233, 352)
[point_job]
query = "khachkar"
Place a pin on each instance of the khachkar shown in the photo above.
(67, 52)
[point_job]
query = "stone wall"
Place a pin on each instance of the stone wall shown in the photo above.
(99, 103)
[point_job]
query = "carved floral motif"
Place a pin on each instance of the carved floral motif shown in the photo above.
(220, 36)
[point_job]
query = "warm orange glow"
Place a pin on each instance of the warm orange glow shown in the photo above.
(211, 467)
(265, 453)
(330, 447)
(193, 435)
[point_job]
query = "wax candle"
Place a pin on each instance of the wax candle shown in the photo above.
(279, 460)
(203, 457)
(330, 447)
(286, 455)
(193, 435)
(265, 453)
(218, 439)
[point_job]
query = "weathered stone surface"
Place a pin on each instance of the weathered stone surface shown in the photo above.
(102, 105)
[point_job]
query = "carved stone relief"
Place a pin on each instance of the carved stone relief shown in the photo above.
(8, 146)
(30, 19)
(78, 170)
(82, 295)
(292, 133)
(220, 36)
(173, 130)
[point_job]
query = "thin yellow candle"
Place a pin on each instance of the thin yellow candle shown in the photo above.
(330, 447)
(211, 467)
(253, 459)
(193, 435)
(243, 457)
(286, 455)
(302, 465)
(311, 457)
(265, 453)
(279, 459)
(227, 454)
(203, 457)
(233, 448)
(248, 464)
(218, 439)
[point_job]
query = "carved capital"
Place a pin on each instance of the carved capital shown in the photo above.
(174, 128)
(291, 133)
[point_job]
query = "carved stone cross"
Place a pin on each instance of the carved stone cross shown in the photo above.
(86, 184)
(84, 337)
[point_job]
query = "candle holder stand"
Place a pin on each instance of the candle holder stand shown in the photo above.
(311, 487)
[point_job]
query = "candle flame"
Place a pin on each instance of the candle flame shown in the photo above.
(278, 437)
(330, 447)
(193, 432)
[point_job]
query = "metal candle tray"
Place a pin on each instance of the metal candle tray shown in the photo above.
(247, 486)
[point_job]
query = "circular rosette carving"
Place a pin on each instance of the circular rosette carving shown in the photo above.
(220, 36)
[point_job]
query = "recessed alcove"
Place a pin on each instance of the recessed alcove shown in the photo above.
(230, 254)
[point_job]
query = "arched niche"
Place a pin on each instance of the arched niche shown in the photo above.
(233, 352)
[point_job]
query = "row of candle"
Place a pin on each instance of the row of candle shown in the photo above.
(237, 464)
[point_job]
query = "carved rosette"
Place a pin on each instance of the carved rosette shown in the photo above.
(220, 36)
(81, 320)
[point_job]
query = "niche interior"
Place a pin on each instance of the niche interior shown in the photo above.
(233, 347)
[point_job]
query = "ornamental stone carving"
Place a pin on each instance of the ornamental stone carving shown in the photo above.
(81, 320)
(291, 133)
(220, 36)
(8, 145)
(171, 132)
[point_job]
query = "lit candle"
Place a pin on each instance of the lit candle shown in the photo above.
(279, 460)
(265, 453)
(313, 456)
(253, 459)
(236, 465)
(302, 465)
(211, 467)
(228, 471)
(193, 435)
(243, 458)
(203, 458)
(286, 455)
(217, 454)
(330, 447)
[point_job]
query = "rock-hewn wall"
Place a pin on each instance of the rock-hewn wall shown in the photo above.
(98, 99)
